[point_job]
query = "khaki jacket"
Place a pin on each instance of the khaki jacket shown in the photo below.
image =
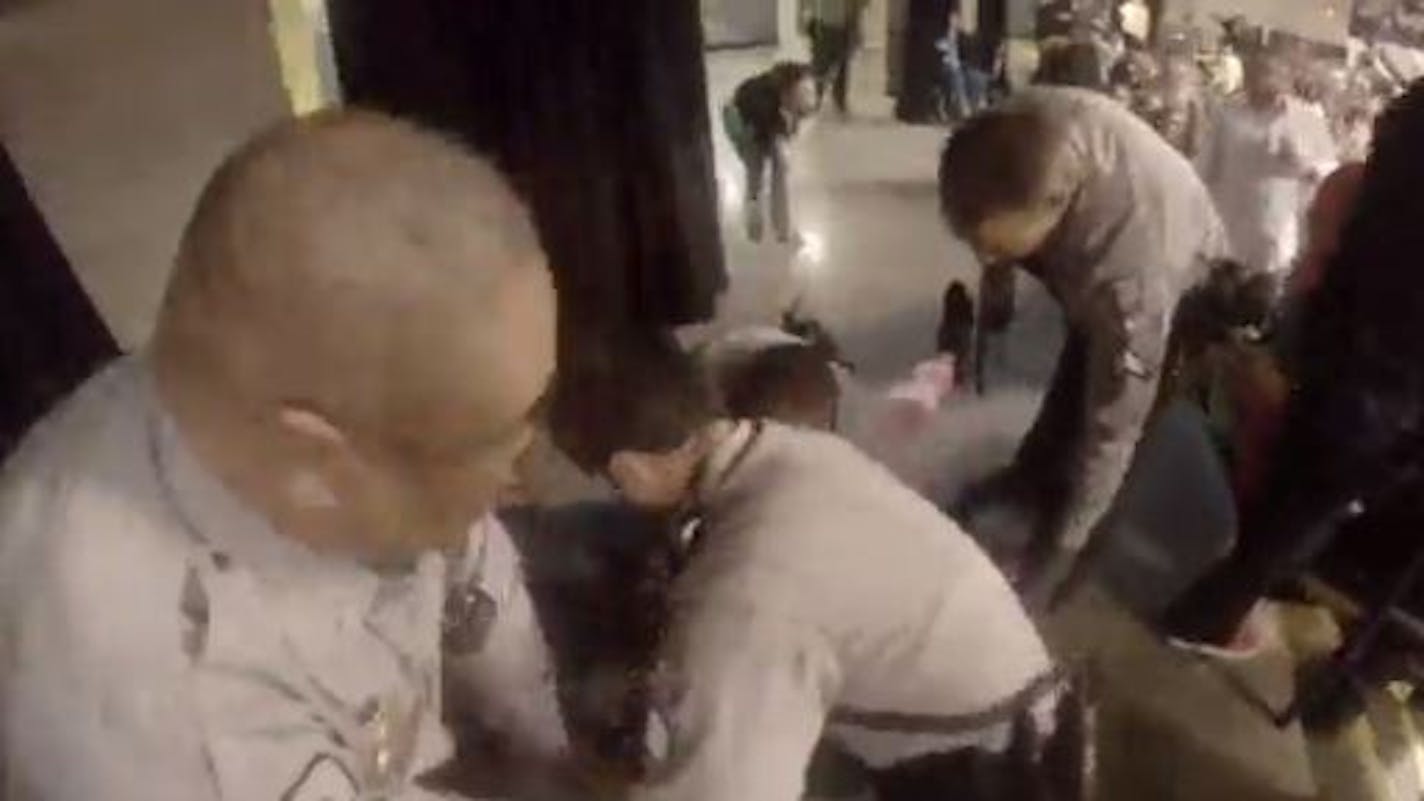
(1141, 231)
(819, 582)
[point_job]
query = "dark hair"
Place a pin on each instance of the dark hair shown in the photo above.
(787, 74)
(1075, 64)
(635, 392)
(787, 383)
(1232, 298)
(815, 333)
(998, 161)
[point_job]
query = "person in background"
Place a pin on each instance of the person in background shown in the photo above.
(1182, 116)
(760, 120)
(1348, 455)
(1135, 19)
(1264, 155)
(1054, 19)
(1081, 193)
(833, 26)
(781, 634)
(919, 101)
(955, 91)
(1072, 62)
(242, 562)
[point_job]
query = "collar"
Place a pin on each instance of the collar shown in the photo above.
(726, 457)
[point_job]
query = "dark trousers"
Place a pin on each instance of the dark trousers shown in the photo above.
(1041, 461)
(964, 774)
(758, 157)
(831, 49)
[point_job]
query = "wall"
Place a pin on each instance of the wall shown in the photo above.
(116, 112)
(1321, 20)
(733, 23)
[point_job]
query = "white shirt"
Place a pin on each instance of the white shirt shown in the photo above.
(161, 641)
(1261, 168)
(819, 582)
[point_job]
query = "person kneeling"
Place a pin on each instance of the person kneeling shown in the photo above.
(818, 596)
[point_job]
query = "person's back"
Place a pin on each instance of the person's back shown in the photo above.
(759, 100)
(817, 592)
(810, 531)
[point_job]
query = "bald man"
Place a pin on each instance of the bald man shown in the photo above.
(232, 566)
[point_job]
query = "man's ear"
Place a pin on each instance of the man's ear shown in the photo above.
(311, 425)
(630, 467)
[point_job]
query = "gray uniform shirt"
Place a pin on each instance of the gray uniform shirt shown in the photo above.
(819, 581)
(160, 641)
(1141, 231)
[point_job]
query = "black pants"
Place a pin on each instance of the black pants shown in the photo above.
(1041, 462)
(918, 101)
(831, 49)
(965, 774)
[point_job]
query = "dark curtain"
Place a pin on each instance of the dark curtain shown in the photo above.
(51, 337)
(919, 97)
(597, 111)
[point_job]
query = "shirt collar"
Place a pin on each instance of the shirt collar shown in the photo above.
(726, 457)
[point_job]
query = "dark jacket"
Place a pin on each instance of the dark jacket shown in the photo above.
(758, 100)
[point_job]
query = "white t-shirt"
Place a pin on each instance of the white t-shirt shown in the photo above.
(1261, 168)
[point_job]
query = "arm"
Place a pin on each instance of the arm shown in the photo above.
(1125, 334)
(744, 703)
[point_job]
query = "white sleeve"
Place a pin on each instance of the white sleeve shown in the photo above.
(744, 705)
(508, 685)
(96, 694)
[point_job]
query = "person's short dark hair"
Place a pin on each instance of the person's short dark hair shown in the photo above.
(634, 392)
(1074, 64)
(1233, 298)
(787, 383)
(789, 73)
(815, 333)
(1000, 160)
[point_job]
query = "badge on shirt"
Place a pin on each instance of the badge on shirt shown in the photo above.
(323, 779)
(469, 617)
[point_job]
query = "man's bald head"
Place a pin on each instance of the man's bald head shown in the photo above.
(346, 260)
(372, 277)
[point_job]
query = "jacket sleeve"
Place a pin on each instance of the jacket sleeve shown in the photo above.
(1127, 327)
(742, 700)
